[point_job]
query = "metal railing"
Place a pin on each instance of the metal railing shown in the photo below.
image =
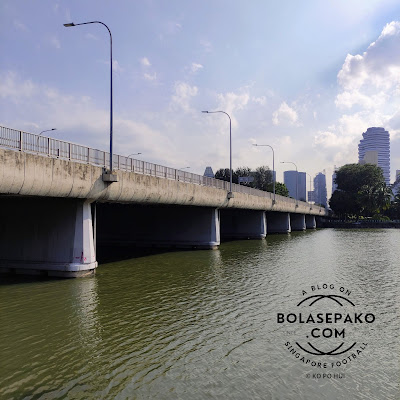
(29, 142)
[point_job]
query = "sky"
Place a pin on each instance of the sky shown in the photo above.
(307, 78)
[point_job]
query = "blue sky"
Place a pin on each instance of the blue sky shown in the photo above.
(305, 77)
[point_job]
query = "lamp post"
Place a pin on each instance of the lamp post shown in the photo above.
(111, 87)
(230, 194)
(310, 189)
(48, 130)
(273, 164)
(133, 154)
(297, 180)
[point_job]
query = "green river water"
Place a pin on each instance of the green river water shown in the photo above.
(203, 324)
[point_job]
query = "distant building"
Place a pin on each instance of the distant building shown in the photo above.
(396, 184)
(376, 140)
(310, 195)
(209, 173)
(289, 178)
(320, 189)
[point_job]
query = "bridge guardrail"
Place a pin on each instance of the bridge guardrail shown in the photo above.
(38, 144)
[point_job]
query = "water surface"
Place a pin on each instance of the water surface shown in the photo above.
(202, 324)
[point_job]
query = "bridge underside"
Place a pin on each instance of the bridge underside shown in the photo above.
(46, 236)
(58, 237)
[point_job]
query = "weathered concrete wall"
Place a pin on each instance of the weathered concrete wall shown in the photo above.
(278, 222)
(243, 224)
(32, 175)
(310, 222)
(46, 234)
(162, 226)
(298, 222)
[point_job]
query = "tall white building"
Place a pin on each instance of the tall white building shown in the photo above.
(376, 140)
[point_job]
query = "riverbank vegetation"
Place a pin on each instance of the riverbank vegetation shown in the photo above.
(361, 193)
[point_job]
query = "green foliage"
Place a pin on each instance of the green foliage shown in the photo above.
(280, 188)
(361, 191)
(263, 179)
(393, 212)
(224, 175)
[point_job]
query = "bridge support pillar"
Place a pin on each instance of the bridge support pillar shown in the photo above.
(310, 222)
(157, 226)
(46, 236)
(243, 224)
(298, 222)
(278, 222)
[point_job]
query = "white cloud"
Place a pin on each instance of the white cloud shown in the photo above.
(20, 26)
(260, 100)
(11, 87)
(150, 77)
(183, 93)
(55, 42)
(116, 66)
(91, 36)
(285, 115)
(369, 89)
(206, 45)
(195, 67)
(230, 102)
(376, 70)
(145, 62)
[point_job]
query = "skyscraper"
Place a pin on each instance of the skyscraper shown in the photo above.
(289, 178)
(376, 140)
(320, 189)
(209, 172)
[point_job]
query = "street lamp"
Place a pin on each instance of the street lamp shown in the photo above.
(48, 130)
(230, 194)
(310, 189)
(133, 154)
(71, 24)
(184, 168)
(273, 164)
(297, 180)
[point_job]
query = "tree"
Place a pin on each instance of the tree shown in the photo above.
(263, 177)
(280, 188)
(242, 172)
(224, 175)
(361, 191)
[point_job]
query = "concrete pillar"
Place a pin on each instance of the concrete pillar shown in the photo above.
(298, 222)
(310, 222)
(243, 224)
(278, 222)
(159, 226)
(46, 236)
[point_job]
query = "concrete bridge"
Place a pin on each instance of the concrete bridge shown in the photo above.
(57, 205)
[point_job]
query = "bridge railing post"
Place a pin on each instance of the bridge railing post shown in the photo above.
(20, 141)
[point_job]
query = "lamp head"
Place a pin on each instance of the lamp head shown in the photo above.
(206, 112)
(70, 24)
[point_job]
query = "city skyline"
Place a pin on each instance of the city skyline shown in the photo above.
(172, 62)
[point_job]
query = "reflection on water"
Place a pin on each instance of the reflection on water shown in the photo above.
(201, 324)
